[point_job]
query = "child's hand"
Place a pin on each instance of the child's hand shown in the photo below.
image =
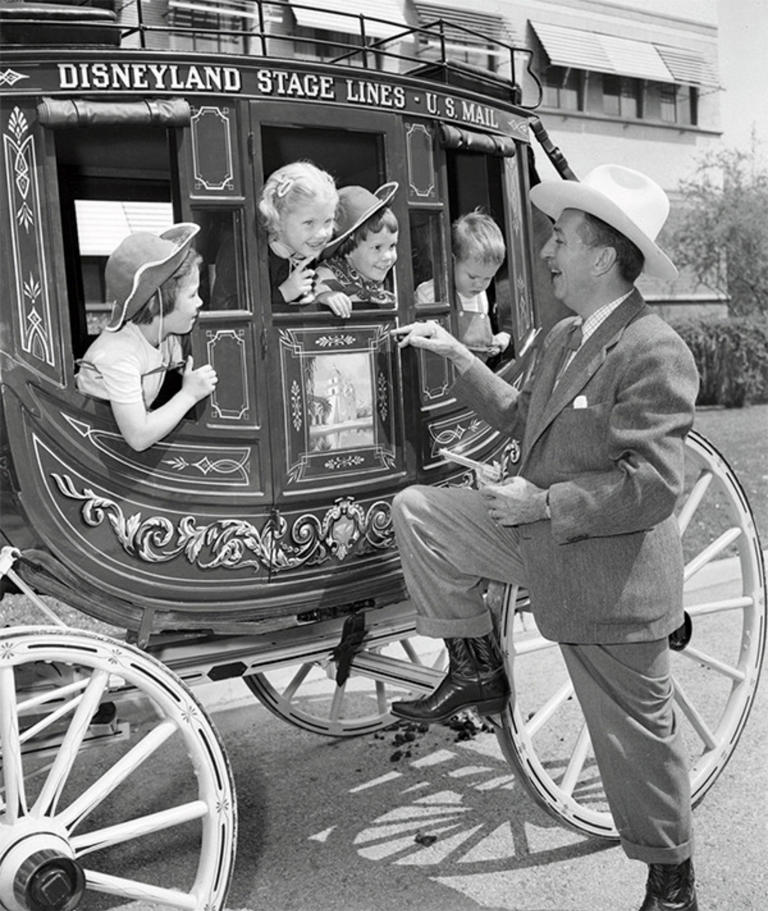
(299, 284)
(337, 301)
(499, 342)
(198, 383)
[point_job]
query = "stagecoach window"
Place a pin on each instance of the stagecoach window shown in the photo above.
(101, 225)
(428, 257)
(220, 243)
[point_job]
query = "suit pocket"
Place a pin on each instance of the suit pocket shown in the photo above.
(581, 433)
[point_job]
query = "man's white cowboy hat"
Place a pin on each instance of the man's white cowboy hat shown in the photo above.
(630, 202)
(139, 265)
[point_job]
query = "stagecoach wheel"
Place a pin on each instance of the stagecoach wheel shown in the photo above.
(395, 666)
(715, 671)
(76, 821)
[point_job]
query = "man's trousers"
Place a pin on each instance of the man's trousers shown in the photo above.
(450, 548)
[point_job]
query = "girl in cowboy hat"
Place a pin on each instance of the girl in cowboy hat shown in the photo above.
(358, 259)
(153, 281)
(297, 207)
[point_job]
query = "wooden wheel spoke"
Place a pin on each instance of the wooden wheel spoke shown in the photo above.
(136, 828)
(694, 716)
(532, 644)
(10, 741)
(714, 664)
(137, 891)
(694, 500)
(576, 763)
(742, 602)
(52, 695)
(410, 651)
(65, 758)
(113, 777)
(381, 697)
(337, 701)
(298, 678)
(35, 729)
(540, 717)
(721, 543)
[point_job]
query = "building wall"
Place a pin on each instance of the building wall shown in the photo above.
(666, 152)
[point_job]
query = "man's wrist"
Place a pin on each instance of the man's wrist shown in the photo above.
(462, 359)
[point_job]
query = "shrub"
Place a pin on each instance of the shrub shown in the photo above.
(732, 359)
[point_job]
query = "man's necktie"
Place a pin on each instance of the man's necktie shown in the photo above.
(572, 345)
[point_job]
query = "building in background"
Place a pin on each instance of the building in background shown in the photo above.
(614, 81)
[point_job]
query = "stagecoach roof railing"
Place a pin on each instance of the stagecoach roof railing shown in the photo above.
(358, 46)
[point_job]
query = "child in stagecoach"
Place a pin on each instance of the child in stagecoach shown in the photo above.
(153, 281)
(298, 208)
(477, 247)
(356, 263)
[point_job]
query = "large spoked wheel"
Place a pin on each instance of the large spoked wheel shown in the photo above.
(715, 672)
(391, 663)
(75, 821)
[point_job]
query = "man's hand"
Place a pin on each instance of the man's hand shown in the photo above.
(431, 336)
(515, 501)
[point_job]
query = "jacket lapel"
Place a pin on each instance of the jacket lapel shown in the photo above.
(588, 359)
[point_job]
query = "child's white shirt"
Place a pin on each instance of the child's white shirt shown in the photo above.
(478, 303)
(122, 366)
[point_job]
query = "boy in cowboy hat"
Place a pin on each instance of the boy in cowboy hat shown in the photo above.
(153, 281)
(360, 256)
(587, 525)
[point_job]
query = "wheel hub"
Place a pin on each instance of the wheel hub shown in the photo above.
(47, 881)
(38, 872)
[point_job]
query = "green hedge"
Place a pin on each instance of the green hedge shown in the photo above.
(732, 357)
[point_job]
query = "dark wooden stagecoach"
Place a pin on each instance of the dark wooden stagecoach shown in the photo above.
(255, 541)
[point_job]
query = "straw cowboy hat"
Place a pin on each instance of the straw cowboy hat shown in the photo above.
(140, 265)
(356, 206)
(627, 200)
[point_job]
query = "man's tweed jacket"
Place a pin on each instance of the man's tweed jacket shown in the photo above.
(608, 443)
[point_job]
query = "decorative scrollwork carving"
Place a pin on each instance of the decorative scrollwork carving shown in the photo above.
(347, 529)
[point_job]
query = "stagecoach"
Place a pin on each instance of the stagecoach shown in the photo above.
(255, 542)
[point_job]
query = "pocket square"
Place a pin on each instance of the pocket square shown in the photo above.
(580, 401)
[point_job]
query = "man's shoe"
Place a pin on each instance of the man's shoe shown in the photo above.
(670, 887)
(475, 679)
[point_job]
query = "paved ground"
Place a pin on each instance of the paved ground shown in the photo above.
(333, 826)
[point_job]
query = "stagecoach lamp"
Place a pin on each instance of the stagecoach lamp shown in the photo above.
(47, 881)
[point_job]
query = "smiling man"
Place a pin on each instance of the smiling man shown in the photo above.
(587, 525)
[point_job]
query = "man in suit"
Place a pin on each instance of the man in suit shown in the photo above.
(587, 525)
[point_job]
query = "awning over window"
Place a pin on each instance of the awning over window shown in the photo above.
(466, 21)
(687, 68)
(584, 50)
(390, 10)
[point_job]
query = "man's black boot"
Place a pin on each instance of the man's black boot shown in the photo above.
(475, 679)
(670, 887)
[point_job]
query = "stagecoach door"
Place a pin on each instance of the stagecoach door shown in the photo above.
(335, 397)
